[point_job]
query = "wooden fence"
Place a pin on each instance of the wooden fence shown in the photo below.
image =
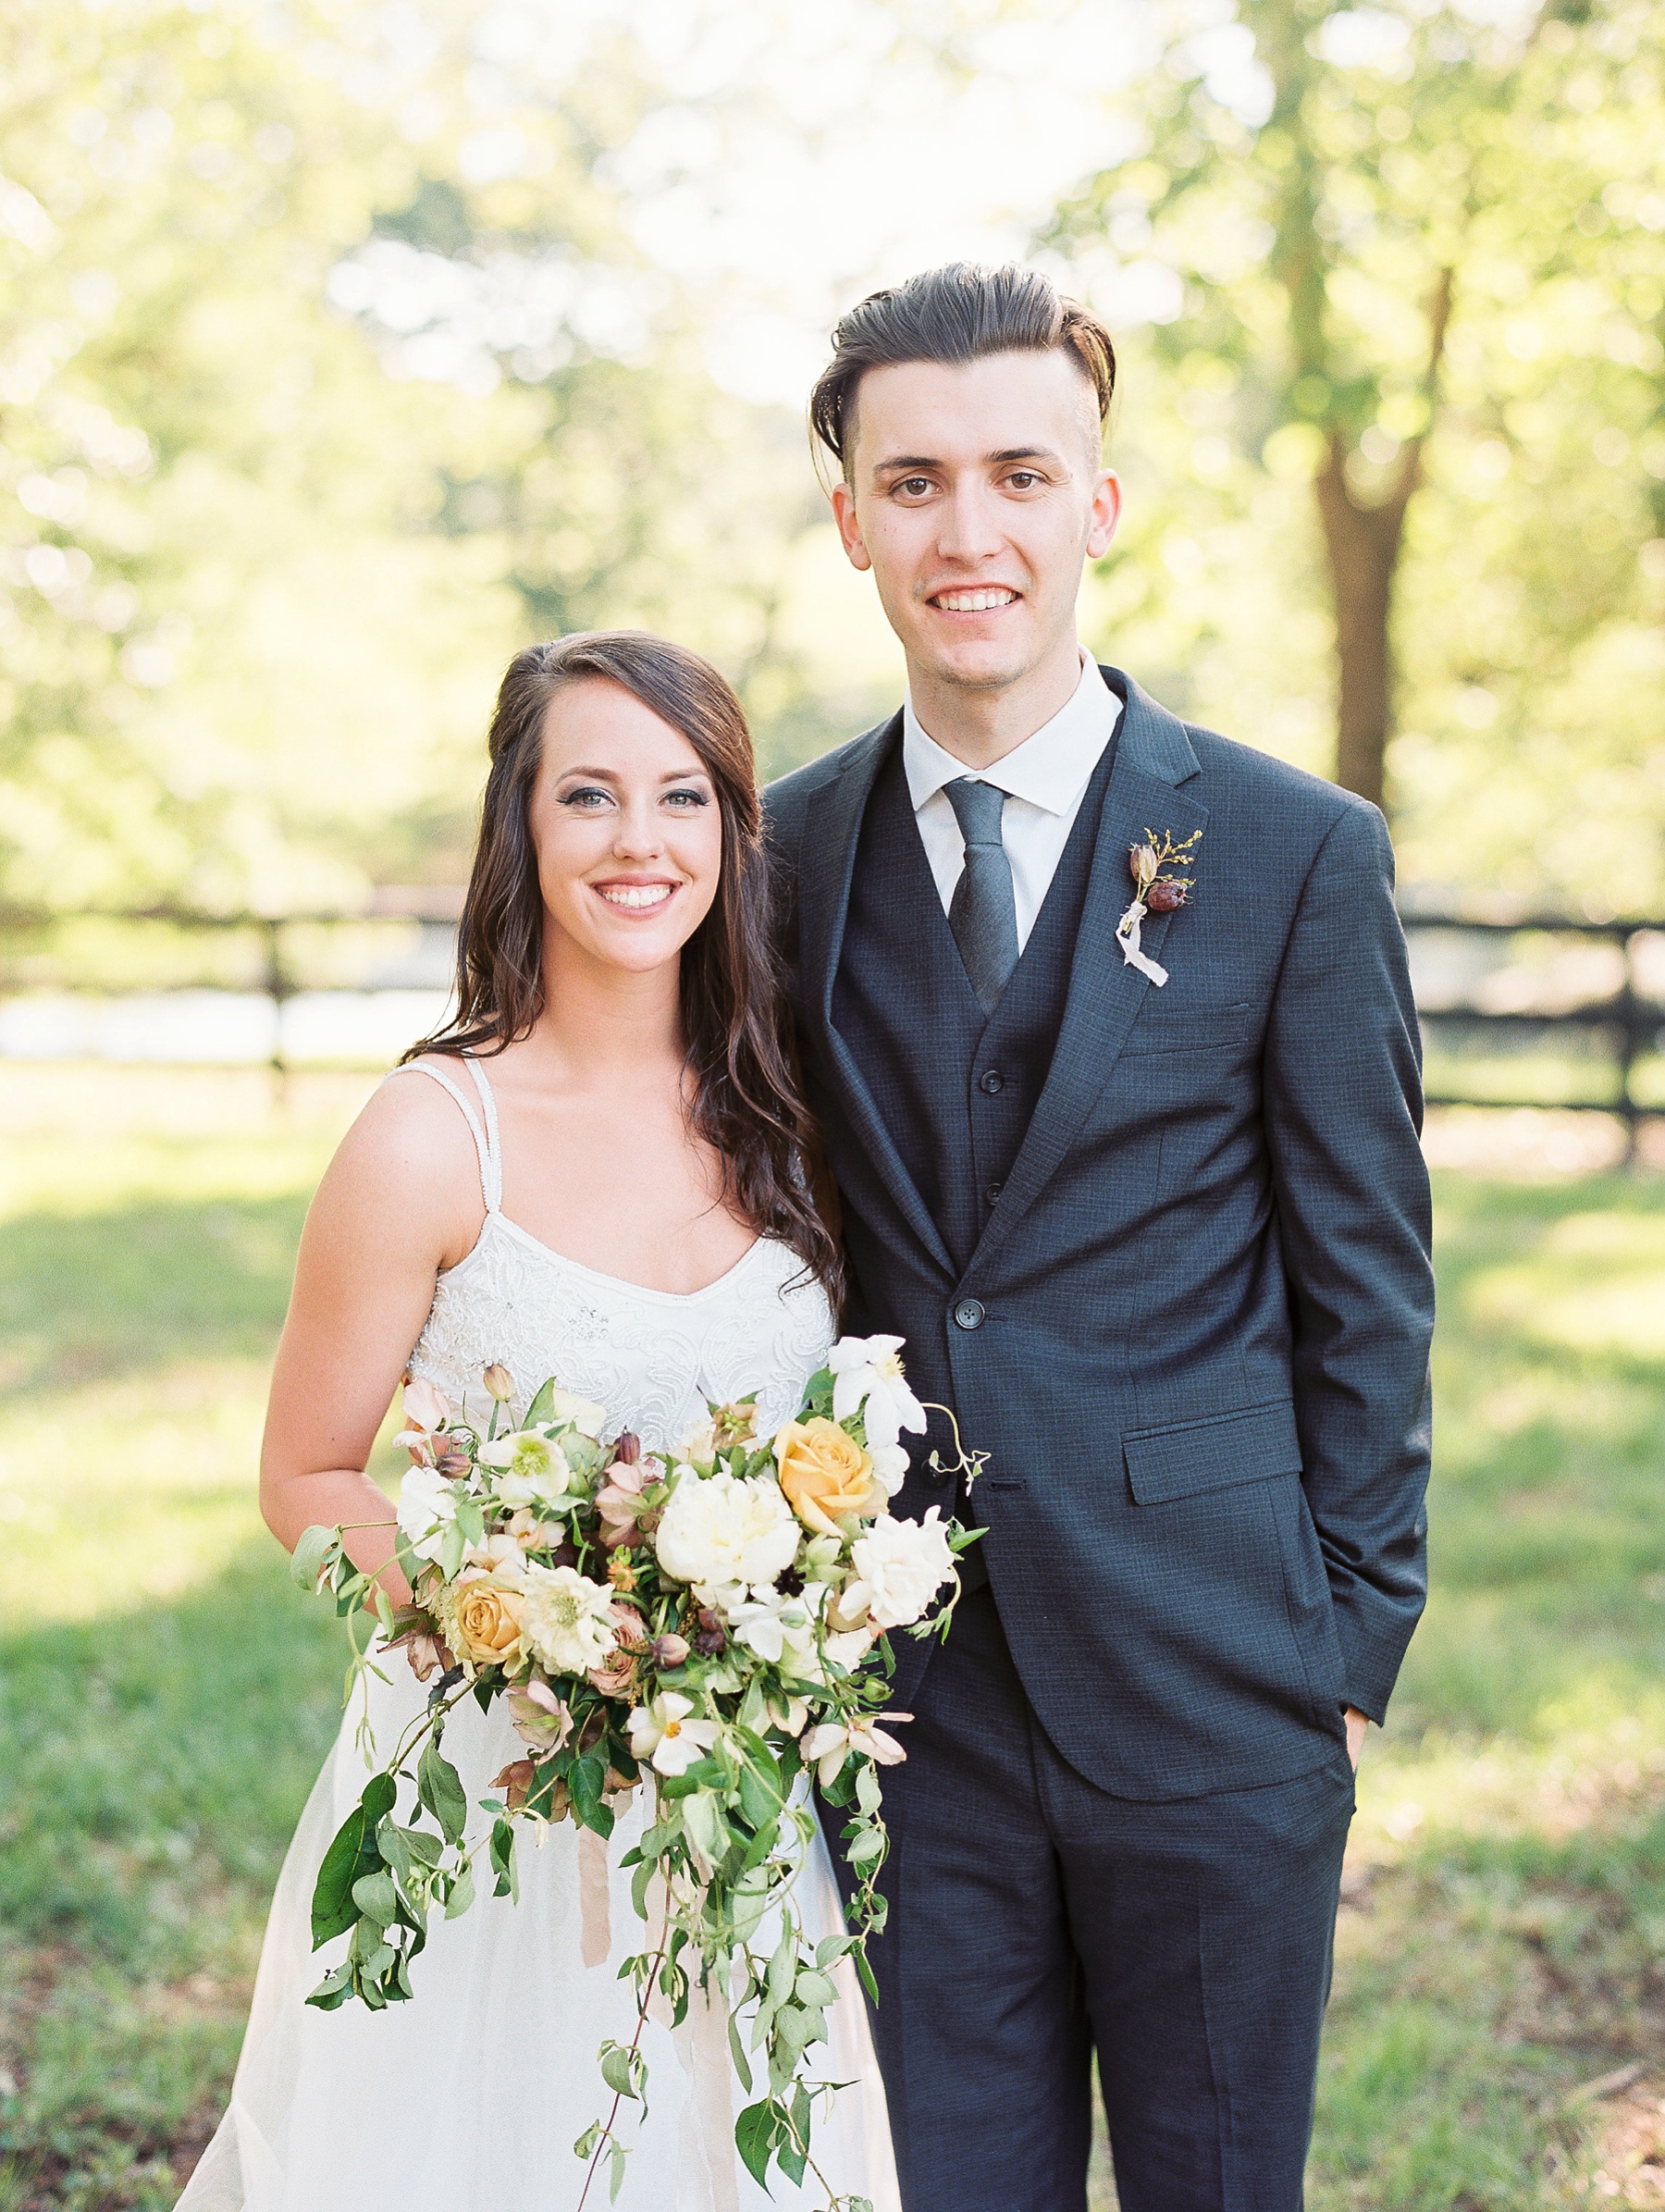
(1588, 996)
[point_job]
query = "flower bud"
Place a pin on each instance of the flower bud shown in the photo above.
(1164, 898)
(628, 1447)
(452, 1463)
(711, 1637)
(500, 1382)
(1142, 863)
(667, 1651)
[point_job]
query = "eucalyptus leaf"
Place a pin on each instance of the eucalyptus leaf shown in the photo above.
(440, 1787)
(306, 1561)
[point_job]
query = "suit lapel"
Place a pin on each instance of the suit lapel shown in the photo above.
(1153, 757)
(826, 865)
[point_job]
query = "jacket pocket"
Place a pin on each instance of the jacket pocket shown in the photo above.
(1180, 1028)
(1187, 1457)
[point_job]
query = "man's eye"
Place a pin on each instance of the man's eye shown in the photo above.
(915, 487)
(1022, 479)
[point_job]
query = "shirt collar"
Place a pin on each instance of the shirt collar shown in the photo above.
(1049, 769)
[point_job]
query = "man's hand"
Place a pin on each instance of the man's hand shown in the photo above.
(1356, 1726)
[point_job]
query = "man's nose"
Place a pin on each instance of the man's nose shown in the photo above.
(970, 525)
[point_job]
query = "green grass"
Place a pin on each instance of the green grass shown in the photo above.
(166, 1695)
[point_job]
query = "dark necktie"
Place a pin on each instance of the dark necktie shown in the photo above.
(983, 912)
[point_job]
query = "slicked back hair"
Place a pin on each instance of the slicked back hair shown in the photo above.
(954, 315)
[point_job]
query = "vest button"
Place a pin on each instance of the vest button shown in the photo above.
(968, 1313)
(991, 1081)
(993, 1190)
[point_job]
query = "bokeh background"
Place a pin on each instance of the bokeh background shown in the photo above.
(345, 348)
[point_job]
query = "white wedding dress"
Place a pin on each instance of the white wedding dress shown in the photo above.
(469, 2098)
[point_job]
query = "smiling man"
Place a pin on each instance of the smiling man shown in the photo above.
(1108, 1025)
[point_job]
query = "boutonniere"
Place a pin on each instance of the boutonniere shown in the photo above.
(1155, 893)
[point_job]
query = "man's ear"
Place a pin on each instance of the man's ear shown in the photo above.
(849, 530)
(1105, 514)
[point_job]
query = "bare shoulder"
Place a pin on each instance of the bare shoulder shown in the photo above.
(409, 1157)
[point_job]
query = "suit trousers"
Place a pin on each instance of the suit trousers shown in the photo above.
(1035, 1921)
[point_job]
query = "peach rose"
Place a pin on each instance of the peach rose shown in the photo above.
(825, 1473)
(488, 1626)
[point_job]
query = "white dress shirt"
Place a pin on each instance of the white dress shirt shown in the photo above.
(1044, 779)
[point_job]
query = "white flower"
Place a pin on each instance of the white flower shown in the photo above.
(831, 1744)
(427, 1505)
(725, 1530)
(866, 1370)
(568, 1410)
(529, 1462)
(756, 1624)
(890, 1465)
(900, 1565)
(662, 1733)
(565, 1618)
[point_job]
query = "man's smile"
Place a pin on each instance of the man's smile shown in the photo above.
(987, 599)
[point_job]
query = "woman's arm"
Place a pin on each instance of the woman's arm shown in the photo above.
(400, 1200)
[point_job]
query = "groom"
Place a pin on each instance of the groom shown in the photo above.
(1161, 1245)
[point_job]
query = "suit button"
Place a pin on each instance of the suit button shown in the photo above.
(993, 1190)
(968, 1313)
(991, 1081)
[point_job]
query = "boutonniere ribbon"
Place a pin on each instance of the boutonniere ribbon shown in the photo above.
(1155, 893)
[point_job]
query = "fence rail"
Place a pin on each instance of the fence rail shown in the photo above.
(1599, 995)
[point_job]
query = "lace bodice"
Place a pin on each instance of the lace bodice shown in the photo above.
(652, 1358)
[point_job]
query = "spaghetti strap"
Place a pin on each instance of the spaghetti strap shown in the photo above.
(492, 1166)
(491, 1180)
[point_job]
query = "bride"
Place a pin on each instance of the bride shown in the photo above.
(596, 1171)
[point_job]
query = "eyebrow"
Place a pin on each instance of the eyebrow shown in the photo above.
(610, 776)
(908, 461)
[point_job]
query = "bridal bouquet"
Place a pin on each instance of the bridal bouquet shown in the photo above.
(713, 1623)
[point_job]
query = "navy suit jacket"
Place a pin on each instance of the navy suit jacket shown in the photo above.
(1201, 1310)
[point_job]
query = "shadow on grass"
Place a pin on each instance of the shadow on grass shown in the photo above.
(152, 1768)
(88, 1296)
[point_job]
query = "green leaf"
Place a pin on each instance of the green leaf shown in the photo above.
(462, 1893)
(868, 1795)
(352, 1852)
(306, 1561)
(502, 1861)
(783, 1968)
(334, 1990)
(816, 1990)
(377, 1899)
(616, 2070)
(755, 2138)
(737, 2051)
(452, 1548)
(542, 1407)
(440, 1787)
(470, 1519)
(831, 1948)
(865, 1974)
(616, 2154)
(867, 1844)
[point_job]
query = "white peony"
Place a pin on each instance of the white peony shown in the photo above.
(867, 1379)
(565, 1618)
(900, 1565)
(427, 1506)
(725, 1530)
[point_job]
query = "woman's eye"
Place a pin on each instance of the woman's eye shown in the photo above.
(588, 796)
(687, 799)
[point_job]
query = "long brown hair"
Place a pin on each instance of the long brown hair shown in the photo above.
(746, 1102)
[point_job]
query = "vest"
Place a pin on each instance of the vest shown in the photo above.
(954, 1089)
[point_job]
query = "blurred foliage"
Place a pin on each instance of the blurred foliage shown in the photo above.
(1410, 258)
(329, 376)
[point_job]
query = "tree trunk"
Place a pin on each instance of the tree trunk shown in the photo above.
(1363, 547)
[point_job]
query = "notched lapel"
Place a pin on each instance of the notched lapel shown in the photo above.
(1153, 757)
(826, 867)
